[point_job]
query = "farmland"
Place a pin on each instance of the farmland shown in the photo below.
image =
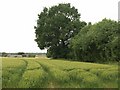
(49, 73)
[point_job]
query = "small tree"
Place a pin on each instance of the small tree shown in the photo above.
(21, 53)
(4, 54)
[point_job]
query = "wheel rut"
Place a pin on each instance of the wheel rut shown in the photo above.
(50, 78)
(23, 70)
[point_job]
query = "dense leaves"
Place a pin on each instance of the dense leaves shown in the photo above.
(97, 42)
(55, 28)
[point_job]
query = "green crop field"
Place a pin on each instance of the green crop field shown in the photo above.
(48, 73)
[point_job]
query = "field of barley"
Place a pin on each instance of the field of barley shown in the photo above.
(49, 73)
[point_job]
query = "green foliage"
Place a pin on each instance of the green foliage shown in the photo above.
(55, 28)
(44, 73)
(98, 42)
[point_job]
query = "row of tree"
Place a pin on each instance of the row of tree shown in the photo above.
(60, 30)
(4, 54)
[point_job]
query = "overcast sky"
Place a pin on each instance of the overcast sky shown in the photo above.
(18, 18)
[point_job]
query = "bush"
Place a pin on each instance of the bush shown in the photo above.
(31, 55)
(97, 43)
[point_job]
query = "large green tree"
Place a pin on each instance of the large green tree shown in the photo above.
(55, 28)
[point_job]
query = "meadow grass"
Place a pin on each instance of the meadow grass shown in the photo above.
(32, 64)
(50, 73)
(32, 79)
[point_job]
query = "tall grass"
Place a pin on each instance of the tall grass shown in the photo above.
(46, 73)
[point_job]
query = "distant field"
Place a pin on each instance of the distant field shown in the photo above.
(47, 73)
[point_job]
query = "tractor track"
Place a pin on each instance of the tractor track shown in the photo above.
(50, 77)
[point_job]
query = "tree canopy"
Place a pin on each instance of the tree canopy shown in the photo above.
(55, 28)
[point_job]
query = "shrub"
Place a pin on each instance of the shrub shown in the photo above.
(31, 55)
